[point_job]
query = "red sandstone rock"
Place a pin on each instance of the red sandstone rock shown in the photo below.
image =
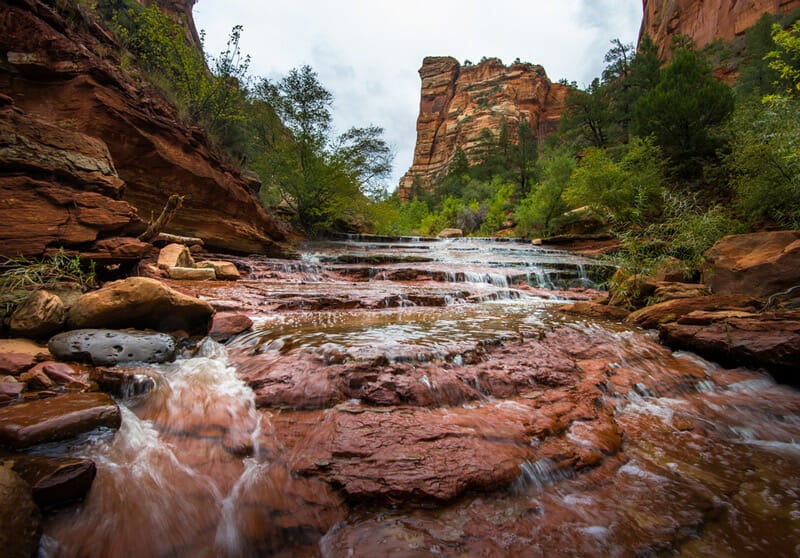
(758, 264)
(672, 310)
(55, 480)
(15, 364)
(458, 102)
(770, 340)
(69, 74)
(56, 418)
(226, 324)
(140, 302)
(703, 20)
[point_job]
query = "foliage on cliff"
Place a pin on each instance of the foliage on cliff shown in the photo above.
(281, 131)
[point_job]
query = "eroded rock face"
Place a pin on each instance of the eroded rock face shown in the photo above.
(703, 20)
(57, 186)
(63, 70)
(458, 102)
(759, 264)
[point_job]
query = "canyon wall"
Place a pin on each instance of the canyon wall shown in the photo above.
(705, 20)
(458, 102)
(90, 150)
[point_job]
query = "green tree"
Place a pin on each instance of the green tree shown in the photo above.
(756, 78)
(538, 213)
(784, 60)
(629, 190)
(683, 111)
(587, 118)
(765, 160)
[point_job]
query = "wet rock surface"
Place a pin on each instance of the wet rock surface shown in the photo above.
(107, 347)
(55, 481)
(56, 418)
(491, 424)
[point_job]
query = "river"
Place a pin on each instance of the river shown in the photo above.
(412, 397)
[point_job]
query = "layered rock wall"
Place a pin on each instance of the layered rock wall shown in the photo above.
(72, 100)
(705, 20)
(458, 102)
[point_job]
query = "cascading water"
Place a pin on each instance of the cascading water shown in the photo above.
(399, 414)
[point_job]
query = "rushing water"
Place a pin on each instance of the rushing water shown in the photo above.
(424, 398)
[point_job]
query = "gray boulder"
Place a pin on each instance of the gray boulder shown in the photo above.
(107, 347)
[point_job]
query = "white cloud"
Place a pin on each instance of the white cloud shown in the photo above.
(367, 53)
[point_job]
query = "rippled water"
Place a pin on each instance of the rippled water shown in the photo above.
(564, 437)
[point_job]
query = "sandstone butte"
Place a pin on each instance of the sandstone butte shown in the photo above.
(705, 20)
(458, 102)
(89, 153)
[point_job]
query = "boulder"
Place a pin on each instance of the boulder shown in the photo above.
(673, 310)
(56, 418)
(451, 233)
(225, 271)
(19, 517)
(123, 382)
(107, 347)
(759, 264)
(226, 325)
(55, 480)
(142, 303)
(40, 315)
(770, 340)
(175, 255)
(192, 273)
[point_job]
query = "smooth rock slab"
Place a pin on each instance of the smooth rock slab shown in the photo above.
(56, 418)
(55, 480)
(107, 347)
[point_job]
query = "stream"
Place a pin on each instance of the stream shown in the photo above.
(414, 397)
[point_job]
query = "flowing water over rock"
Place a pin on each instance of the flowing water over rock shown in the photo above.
(403, 397)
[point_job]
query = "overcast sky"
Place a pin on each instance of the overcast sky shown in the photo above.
(367, 53)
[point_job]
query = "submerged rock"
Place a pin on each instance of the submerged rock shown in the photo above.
(123, 382)
(56, 418)
(107, 347)
(19, 517)
(143, 303)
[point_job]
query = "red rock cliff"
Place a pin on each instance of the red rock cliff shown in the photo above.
(705, 20)
(458, 102)
(87, 150)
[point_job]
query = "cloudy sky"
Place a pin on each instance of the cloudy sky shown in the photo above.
(367, 53)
